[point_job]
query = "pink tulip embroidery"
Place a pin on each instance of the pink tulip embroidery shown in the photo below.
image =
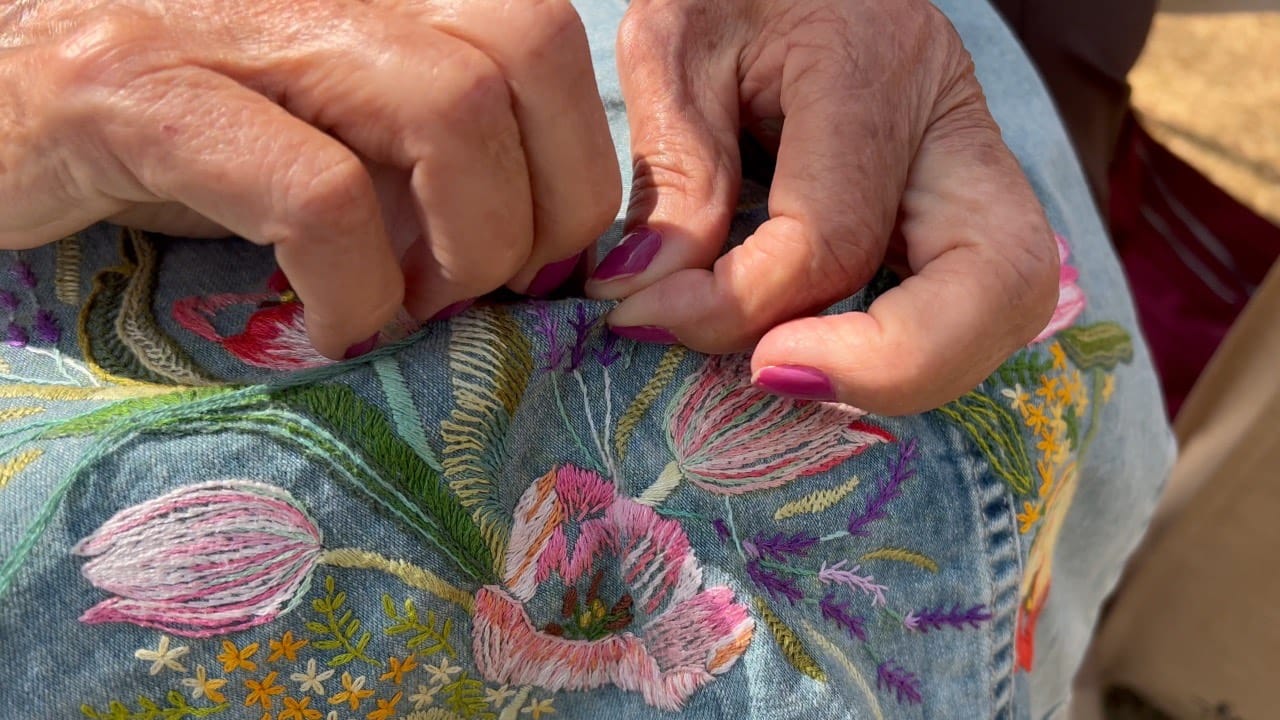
(664, 636)
(729, 437)
(1071, 300)
(274, 336)
(203, 560)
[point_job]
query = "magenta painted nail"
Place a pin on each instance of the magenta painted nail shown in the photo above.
(552, 276)
(361, 348)
(631, 256)
(453, 310)
(646, 333)
(796, 381)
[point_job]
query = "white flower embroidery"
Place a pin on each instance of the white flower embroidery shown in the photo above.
(498, 697)
(443, 673)
(424, 697)
(163, 656)
(310, 680)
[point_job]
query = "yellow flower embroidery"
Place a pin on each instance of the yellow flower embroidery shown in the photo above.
(385, 708)
(260, 692)
(204, 686)
(399, 668)
(1108, 387)
(1035, 418)
(299, 709)
(1045, 470)
(1029, 516)
(233, 658)
(538, 708)
(352, 692)
(1059, 357)
(1048, 387)
(286, 647)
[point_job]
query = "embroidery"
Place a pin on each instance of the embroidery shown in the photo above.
(1071, 299)
(16, 464)
(340, 629)
(918, 559)
(635, 412)
(789, 643)
(816, 501)
(66, 274)
(163, 657)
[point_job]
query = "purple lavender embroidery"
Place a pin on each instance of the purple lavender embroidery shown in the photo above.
(780, 547)
(23, 274)
(47, 329)
(721, 528)
(17, 336)
(842, 615)
(838, 575)
(901, 469)
(549, 327)
(776, 585)
(608, 353)
(926, 620)
(582, 326)
(8, 301)
(891, 676)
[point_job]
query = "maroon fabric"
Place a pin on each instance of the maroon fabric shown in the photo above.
(1194, 256)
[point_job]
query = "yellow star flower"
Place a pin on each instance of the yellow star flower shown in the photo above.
(538, 708)
(204, 686)
(299, 709)
(385, 708)
(286, 647)
(261, 692)
(399, 668)
(1027, 519)
(233, 658)
(1059, 357)
(353, 692)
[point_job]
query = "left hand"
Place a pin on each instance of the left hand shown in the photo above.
(880, 127)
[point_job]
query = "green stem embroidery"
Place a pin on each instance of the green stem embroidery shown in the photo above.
(340, 629)
(422, 634)
(587, 455)
(177, 709)
(404, 414)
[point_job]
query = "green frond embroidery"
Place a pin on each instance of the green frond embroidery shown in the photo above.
(338, 629)
(998, 435)
(902, 555)
(465, 696)
(789, 643)
(490, 362)
(118, 331)
(112, 415)
(816, 501)
(425, 638)
(66, 270)
(1024, 368)
(648, 394)
(1101, 345)
(404, 413)
(19, 412)
(176, 708)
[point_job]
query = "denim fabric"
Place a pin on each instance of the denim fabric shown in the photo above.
(516, 515)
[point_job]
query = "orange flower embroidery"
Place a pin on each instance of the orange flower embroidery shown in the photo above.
(233, 658)
(286, 647)
(260, 692)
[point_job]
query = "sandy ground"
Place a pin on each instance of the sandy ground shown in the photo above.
(1208, 87)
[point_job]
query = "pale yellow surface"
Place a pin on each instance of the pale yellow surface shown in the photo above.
(1208, 87)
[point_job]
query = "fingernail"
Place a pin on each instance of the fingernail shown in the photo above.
(646, 333)
(453, 310)
(631, 256)
(552, 276)
(796, 381)
(359, 349)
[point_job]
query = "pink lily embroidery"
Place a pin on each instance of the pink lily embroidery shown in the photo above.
(1071, 299)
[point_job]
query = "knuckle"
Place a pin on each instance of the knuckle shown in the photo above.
(649, 29)
(110, 47)
(340, 191)
(546, 28)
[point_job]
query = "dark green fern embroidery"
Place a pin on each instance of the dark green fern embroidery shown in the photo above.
(998, 435)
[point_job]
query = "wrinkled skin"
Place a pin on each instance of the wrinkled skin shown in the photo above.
(393, 151)
(881, 131)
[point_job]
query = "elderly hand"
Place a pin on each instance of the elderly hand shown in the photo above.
(881, 131)
(392, 151)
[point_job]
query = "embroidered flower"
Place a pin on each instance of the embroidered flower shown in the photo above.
(310, 681)
(163, 656)
(442, 673)
(206, 559)
(425, 696)
(663, 637)
(1071, 300)
(204, 686)
(274, 336)
(399, 668)
(497, 697)
(261, 692)
(286, 647)
(538, 708)
(299, 709)
(728, 437)
(234, 658)
(353, 691)
(385, 708)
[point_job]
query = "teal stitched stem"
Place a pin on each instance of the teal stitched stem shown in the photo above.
(587, 456)
(834, 536)
(683, 515)
(1095, 377)
(591, 426)
(733, 529)
(403, 410)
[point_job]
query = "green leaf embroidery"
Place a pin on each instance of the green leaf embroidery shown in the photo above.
(465, 696)
(113, 415)
(490, 362)
(177, 708)
(1024, 368)
(427, 638)
(634, 413)
(997, 433)
(789, 643)
(339, 632)
(1102, 345)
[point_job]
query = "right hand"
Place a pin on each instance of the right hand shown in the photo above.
(394, 152)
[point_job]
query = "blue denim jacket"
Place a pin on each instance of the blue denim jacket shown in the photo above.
(518, 515)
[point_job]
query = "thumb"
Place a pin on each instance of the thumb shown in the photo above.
(681, 94)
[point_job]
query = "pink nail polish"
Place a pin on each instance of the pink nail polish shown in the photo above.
(796, 381)
(453, 310)
(631, 256)
(552, 276)
(361, 348)
(646, 333)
